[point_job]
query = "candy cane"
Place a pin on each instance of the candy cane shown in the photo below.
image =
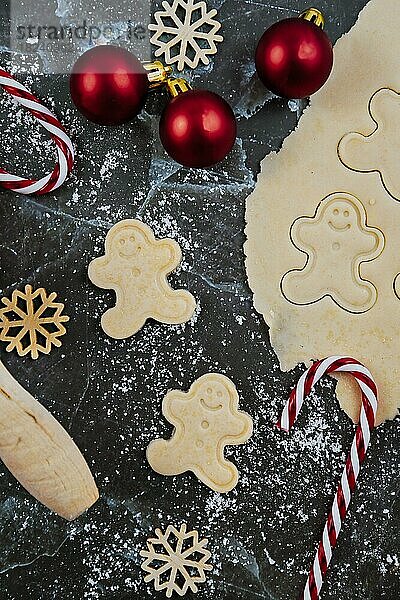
(65, 151)
(354, 460)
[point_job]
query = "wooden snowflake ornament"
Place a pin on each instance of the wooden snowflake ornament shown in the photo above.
(185, 33)
(176, 560)
(32, 322)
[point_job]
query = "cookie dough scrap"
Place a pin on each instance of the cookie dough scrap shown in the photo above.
(206, 419)
(322, 249)
(136, 265)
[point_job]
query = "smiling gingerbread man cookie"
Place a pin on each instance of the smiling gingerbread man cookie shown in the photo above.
(136, 266)
(337, 240)
(206, 419)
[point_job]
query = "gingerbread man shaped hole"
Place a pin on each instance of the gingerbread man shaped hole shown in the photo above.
(206, 419)
(336, 240)
(136, 266)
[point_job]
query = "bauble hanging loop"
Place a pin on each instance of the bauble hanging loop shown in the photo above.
(314, 16)
(294, 57)
(157, 73)
(198, 127)
(177, 85)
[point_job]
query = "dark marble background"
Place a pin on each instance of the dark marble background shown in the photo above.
(108, 393)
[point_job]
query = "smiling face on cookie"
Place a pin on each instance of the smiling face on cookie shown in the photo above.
(216, 411)
(341, 216)
(127, 243)
(213, 396)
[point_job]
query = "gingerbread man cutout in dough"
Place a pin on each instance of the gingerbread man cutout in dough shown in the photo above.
(136, 266)
(396, 286)
(337, 240)
(378, 151)
(206, 419)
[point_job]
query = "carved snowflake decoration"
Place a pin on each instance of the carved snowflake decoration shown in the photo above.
(185, 33)
(32, 322)
(176, 560)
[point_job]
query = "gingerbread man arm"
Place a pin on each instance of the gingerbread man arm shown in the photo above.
(245, 434)
(101, 272)
(170, 255)
(357, 152)
(304, 233)
(373, 242)
(381, 107)
(173, 404)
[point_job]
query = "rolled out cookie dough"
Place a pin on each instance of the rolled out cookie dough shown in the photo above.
(335, 290)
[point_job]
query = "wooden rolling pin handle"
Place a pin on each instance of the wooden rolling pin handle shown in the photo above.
(40, 453)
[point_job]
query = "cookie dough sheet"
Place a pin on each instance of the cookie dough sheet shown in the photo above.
(323, 249)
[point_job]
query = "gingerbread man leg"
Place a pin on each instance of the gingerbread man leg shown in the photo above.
(308, 286)
(165, 457)
(221, 475)
(116, 323)
(169, 457)
(174, 306)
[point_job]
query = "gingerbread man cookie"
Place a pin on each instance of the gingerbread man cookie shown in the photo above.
(379, 150)
(136, 266)
(337, 240)
(206, 419)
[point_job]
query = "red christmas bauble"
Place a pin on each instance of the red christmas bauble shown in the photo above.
(108, 85)
(294, 58)
(198, 128)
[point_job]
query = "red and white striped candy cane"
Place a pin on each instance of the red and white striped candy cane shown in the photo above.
(354, 460)
(65, 151)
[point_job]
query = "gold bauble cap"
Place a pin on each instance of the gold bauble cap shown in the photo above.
(314, 16)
